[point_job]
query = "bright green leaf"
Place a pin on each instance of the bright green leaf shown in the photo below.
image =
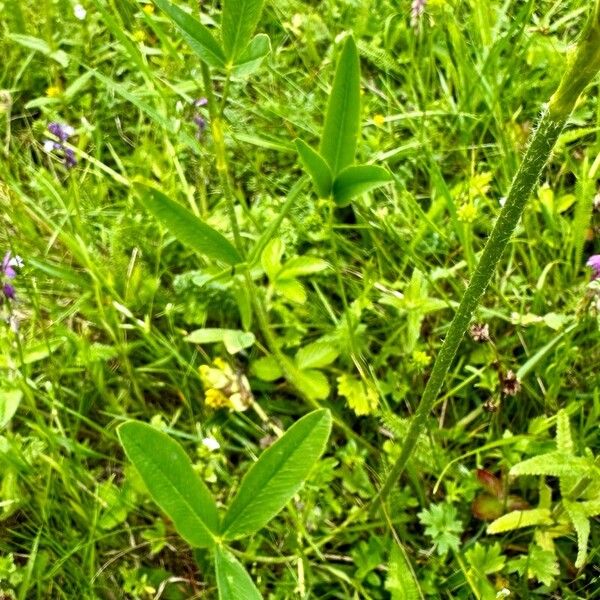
(316, 167)
(316, 355)
(401, 581)
(234, 339)
(300, 266)
(267, 368)
(356, 180)
(581, 523)
(233, 581)
(291, 289)
(199, 37)
(238, 22)
(342, 119)
(277, 475)
(253, 55)
(189, 229)
(172, 482)
(9, 402)
(270, 258)
(518, 519)
(313, 383)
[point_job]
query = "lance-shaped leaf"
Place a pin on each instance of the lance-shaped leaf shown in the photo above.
(172, 482)
(198, 36)
(251, 58)
(581, 523)
(517, 519)
(189, 229)
(277, 475)
(340, 132)
(317, 168)
(356, 180)
(239, 20)
(233, 581)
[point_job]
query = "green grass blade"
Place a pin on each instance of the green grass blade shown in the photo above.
(356, 180)
(239, 20)
(172, 482)
(315, 165)
(342, 119)
(199, 37)
(277, 475)
(189, 229)
(233, 581)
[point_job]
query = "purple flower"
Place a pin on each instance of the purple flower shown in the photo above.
(9, 291)
(9, 263)
(61, 131)
(200, 102)
(594, 263)
(417, 8)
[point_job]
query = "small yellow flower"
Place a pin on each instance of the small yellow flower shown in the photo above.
(379, 120)
(224, 388)
(139, 35)
(53, 91)
(420, 358)
(466, 213)
(148, 9)
(215, 398)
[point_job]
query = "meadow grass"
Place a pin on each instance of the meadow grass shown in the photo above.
(106, 297)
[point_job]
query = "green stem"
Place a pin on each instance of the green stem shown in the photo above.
(582, 67)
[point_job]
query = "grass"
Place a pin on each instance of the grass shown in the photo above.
(106, 296)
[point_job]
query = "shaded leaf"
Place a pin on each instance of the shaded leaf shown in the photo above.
(316, 167)
(277, 475)
(189, 229)
(199, 37)
(356, 180)
(238, 22)
(342, 119)
(172, 482)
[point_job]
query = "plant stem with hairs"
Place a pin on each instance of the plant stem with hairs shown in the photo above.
(582, 66)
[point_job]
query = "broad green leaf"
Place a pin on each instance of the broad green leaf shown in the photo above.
(356, 180)
(252, 57)
(581, 523)
(270, 258)
(238, 22)
(234, 339)
(555, 464)
(518, 519)
(313, 383)
(9, 402)
(316, 167)
(199, 37)
(342, 119)
(316, 355)
(267, 368)
(401, 581)
(233, 581)
(189, 229)
(172, 482)
(291, 289)
(277, 475)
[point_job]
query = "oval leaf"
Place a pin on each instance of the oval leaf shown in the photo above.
(314, 164)
(233, 581)
(340, 132)
(199, 37)
(189, 229)
(172, 482)
(253, 55)
(356, 180)
(239, 20)
(277, 475)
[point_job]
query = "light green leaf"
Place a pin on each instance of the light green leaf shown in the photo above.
(300, 266)
(277, 475)
(233, 581)
(291, 289)
(238, 22)
(9, 402)
(41, 46)
(313, 383)
(199, 37)
(401, 581)
(316, 167)
(267, 368)
(253, 55)
(234, 339)
(518, 519)
(342, 119)
(270, 258)
(189, 229)
(556, 464)
(356, 180)
(316, 355)
(581, 523)
(172, 482)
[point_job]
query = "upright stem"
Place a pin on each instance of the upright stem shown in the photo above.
(582, 67)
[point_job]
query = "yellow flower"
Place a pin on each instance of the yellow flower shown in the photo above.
(139, 35)
(224, 387)
(379, 120)
(215, 398)
(466, 213)
(420, 358)
(53, 91)
(148, 9)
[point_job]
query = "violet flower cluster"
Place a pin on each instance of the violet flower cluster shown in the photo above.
(594, 263)
(198, 119)
(7, 275)
(62, 132)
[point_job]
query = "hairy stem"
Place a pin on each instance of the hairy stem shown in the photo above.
(582, 67)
